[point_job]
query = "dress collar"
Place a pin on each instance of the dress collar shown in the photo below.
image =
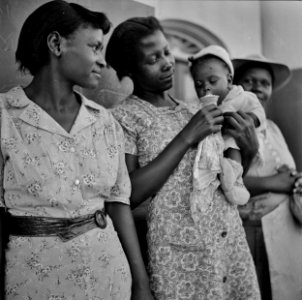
(34, 115)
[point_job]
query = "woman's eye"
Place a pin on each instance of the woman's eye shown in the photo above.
(265, 83)
(96, 47)
(247, 81)
(153, 60)
(198, 84)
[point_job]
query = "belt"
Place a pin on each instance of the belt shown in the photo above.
(65, 228)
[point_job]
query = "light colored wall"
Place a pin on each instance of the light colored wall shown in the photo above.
(281, 31)
(236, 23)
(282, 41)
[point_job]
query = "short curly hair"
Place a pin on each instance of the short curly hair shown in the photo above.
(58, 15)
(122, 48)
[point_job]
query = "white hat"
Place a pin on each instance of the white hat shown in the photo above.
(281, 72)
(217, 51)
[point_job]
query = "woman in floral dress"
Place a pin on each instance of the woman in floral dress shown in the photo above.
(161, 138)
(64, 181)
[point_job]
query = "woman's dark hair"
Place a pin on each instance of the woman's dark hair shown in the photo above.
(240, 71)
(123, 45)
(58, 15)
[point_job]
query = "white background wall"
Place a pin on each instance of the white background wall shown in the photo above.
(236, 23)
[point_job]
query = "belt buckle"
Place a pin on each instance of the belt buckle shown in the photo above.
(100, 219)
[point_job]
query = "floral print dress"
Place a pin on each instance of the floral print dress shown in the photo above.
(208, 260)
(46, 171)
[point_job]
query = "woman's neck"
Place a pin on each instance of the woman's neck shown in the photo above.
(157, 99)
(50, 93)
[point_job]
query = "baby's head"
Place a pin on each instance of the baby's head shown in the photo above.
(212, 72)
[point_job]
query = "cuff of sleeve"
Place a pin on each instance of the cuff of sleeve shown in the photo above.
(119, 199)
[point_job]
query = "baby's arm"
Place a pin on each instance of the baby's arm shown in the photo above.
(231, 177)
(254, 109)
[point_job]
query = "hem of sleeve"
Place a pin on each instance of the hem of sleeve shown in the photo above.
(131, 152)
(118, 199)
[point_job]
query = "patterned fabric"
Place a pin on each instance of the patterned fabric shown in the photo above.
(46, 171)
(186, 263)
(275, 153)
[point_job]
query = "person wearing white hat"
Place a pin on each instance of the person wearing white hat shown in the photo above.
(271, 183)
(212, 72)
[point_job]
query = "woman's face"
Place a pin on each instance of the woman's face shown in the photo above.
(259, 82)
(155, 65)
(82, 59)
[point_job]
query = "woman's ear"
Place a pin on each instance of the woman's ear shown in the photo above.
(54, 41)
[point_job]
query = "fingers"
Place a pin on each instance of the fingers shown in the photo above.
(285, 168)
(213, 115)
(235, 121)
(213, 110)
(296, 208)
(238, 120)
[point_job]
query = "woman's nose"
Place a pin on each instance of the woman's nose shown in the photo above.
(101, 60)
(168, 63)
(256, 85)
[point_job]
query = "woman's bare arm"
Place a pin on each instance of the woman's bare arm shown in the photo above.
(146, 181)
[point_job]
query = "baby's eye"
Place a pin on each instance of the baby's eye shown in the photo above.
(212, 81)
(167, 52)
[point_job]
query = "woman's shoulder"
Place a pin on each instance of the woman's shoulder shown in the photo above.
(130, 104)
(132, 108)
(103, 116)
(272, 126)
(13, 97)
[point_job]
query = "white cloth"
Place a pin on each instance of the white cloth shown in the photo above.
(207, 164)
(283, 241)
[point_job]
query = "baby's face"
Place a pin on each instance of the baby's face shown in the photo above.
(211, 77)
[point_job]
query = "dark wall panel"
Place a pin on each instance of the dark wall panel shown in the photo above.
(286, 111)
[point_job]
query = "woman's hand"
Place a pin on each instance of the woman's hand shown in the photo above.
(241, 127)
(283, 182)
(141, 293)
(295, 206)
(295, 203)
(206, 121)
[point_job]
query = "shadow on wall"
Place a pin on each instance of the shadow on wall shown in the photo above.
(285, 110)
(111, 90)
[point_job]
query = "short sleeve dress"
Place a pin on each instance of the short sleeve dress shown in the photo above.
(275, 154)
(48, 172)
(184, 261)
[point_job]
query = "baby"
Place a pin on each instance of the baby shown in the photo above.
(218, 158)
